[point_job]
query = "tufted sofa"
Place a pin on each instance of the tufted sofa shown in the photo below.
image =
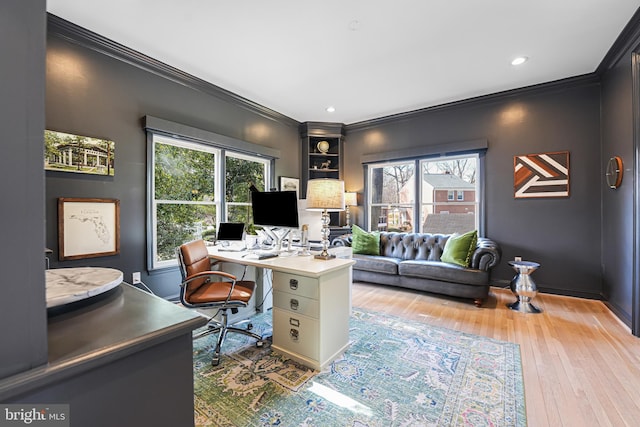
(412, 260)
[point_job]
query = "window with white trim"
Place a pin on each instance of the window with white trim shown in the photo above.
(187, 184)
(445, 199)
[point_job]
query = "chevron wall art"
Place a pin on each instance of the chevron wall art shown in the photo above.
(541, 175)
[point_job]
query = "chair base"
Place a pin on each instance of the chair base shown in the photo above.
(222, 328)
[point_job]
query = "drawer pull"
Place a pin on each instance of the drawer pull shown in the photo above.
(294, 304)
(293, 284)
(294, 322)
(294, 334)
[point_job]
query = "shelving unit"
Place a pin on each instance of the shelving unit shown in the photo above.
(322, 155)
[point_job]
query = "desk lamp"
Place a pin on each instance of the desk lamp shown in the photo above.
(350, 199)
(326, 195)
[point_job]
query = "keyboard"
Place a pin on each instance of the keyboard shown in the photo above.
(260, 254)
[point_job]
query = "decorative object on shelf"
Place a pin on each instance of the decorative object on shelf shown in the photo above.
(323, 147)
(350, 199)
(614, 172)
(541, 175)
(88, 228)
(325, 165)
(325, 194)
(65, 152)
(290, 184)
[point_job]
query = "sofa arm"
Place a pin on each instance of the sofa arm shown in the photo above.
(343, 240)
(486, 255)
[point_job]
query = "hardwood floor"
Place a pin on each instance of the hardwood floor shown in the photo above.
(581, 365)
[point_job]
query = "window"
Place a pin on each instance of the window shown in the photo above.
(445, 199)
(453, 175)
(187, 185)
(241, 172)
(392, 196)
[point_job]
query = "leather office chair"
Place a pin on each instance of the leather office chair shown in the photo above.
(203, 288)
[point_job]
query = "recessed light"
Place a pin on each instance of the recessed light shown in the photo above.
(519, 60)
(331, 109)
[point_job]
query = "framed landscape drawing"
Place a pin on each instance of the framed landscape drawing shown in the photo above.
(541, 175)
(290, 184)
(80, 154)
(88, 228)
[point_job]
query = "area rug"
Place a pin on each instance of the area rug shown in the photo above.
(395, 373)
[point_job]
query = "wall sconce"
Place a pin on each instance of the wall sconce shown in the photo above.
(325, 195)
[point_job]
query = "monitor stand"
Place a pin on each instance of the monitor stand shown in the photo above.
(278, 235)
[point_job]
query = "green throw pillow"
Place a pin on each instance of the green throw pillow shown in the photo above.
(459, 248)
(365, 243)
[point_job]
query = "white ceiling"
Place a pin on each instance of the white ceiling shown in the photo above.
(367, 58)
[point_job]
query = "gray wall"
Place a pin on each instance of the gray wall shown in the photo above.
(618, 205)
(561, 234)
(23, 334)
(92, 94)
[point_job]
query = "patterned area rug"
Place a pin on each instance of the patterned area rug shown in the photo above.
(395, 373)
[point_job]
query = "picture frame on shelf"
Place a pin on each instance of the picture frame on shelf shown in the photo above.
(290, 184)
(88, 228)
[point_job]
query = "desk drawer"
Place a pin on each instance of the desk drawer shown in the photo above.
(295, 284)
(296, 303)
(295, 333)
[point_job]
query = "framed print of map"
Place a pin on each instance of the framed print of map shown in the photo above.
(88, 228)
(65, 152)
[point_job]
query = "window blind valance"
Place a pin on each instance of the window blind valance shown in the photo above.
(177, 130)
(447, 149)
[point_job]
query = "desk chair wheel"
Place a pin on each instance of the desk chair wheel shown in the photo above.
(249, 326)
(215, 360)
(260, 344)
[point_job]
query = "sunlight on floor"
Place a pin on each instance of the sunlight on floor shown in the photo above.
(340, 399)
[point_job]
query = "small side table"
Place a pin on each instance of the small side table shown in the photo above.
(524, 287)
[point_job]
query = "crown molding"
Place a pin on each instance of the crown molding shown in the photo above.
(73, 33)
(562, 84)
(627, 40)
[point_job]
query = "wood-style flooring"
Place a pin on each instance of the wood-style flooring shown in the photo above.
(581, 365)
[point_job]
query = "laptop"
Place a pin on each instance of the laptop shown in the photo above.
(231, 236)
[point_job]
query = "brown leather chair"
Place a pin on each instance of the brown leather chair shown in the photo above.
(203, 288)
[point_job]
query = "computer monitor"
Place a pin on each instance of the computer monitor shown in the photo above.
(276, 212)
(275, 209)
(230, 231)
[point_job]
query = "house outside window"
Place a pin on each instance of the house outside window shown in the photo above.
(392, 201)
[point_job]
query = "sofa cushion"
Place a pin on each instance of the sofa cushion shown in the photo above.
(443, 271)
(364, 242)
(376, 264)
(459, 248)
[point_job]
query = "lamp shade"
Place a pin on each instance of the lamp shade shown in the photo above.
(351, 198)
(326, 194)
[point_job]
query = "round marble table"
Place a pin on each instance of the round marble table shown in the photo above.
(67, 285)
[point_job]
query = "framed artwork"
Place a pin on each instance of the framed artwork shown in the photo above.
(88, 228)
(290, 184)
(79, 154)
(541, 175)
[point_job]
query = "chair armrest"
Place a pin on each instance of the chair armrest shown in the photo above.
(208, 275)
(486, 255)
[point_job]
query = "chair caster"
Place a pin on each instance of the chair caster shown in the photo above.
(249, 326)
(215, 361)
(259, 344)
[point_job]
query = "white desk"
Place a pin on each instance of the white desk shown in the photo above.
(311, 305)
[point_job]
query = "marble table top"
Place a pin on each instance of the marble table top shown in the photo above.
(66, 285)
